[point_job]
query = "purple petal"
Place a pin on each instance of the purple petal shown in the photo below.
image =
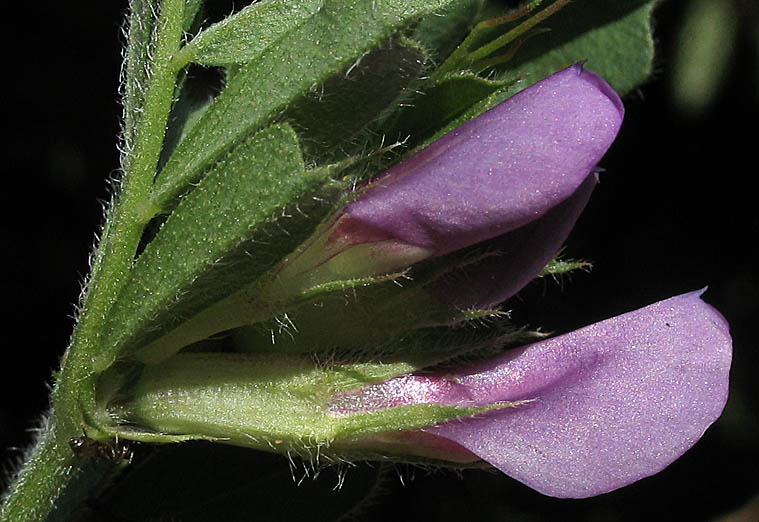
(609, 404)
(519, 256)
(500, 171)
(614, 402)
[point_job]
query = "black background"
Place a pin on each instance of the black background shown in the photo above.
(676, 210)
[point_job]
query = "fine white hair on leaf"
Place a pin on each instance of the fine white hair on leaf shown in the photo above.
(354, 65)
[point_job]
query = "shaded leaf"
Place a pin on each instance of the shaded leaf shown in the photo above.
(614, 37)
(503, 91)
(371, 319)
(443, 32)
(343, 105)
(186, 112)
(432, 109)
(192, 10)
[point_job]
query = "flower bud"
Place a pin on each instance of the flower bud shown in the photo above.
(500, 171)
(524, 167)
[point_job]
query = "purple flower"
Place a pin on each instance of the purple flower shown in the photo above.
(574, 416)
(584, 413)
(500, 171)
(521, 172)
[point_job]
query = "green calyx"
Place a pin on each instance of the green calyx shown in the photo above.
(267, 402)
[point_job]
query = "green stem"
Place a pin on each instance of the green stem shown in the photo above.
(461, 59)
(39, 492)
(515, 33)
(54, 482)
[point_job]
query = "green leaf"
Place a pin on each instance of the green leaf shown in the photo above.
(614, 37)
(242, 37)
(329, 42)
(342, 106)
(253, 208)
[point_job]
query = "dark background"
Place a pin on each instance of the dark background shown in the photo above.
(676, 210)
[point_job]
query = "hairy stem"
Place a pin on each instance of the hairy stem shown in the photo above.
(54, 481)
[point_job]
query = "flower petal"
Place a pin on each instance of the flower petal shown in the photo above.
(500, 171)
(614, 402)
(519, 256)
(593, 410)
